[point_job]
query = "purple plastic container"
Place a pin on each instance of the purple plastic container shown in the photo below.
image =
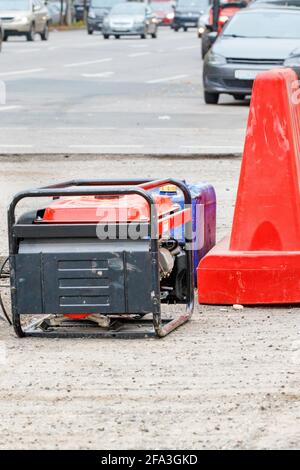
(204, 208)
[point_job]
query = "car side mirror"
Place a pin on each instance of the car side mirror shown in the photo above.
(212, 36)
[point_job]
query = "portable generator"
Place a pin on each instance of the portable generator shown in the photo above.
(103, 258)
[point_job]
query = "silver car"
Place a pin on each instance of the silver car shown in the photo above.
(130, 19)
(24, 18)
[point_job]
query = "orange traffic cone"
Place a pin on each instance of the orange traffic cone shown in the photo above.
(260, 262)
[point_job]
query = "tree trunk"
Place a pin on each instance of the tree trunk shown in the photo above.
(61, 20)
(69, 13)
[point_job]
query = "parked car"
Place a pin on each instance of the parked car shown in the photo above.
(130, 19)
(253, 41)
(1, 35)
(80, 6)
(228, 8)
(98, 10)
(24, 18)
(187, 13)
(202, 22)
(164, 11)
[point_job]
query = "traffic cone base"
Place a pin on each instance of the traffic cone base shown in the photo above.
(257, 277)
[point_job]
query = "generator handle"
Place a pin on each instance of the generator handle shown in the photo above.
(90, 182)
(74, 191)
(144, 183)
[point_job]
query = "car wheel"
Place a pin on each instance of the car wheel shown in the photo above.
(211, 98)
(5, 37)
(1, 41)
(176, 29)
(239, 97)
(185, 29)
(117, 36)
(106, 36)
(45, 33)
(143, 36)
(31, 34)
(205, 45)
(154, 35)
(90, 31)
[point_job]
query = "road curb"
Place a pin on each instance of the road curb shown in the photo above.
(92, 156)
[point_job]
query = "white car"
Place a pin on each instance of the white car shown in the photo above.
(24, 18)
(202, 22)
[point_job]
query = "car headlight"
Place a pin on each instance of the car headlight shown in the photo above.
(92, 14)
(216, 59)
(21, 19)
(293, 61)
(170, 16)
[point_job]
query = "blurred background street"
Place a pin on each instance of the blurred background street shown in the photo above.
(76, 93)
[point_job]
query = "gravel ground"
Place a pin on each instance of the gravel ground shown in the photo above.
(228, 379)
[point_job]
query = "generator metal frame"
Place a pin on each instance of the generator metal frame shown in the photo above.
(88, 187)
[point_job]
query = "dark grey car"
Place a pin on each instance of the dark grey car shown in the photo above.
(98, 10)
(253, 41)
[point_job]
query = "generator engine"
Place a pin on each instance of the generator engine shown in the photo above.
(116, 250)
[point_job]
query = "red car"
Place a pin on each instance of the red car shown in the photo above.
(164, 11)
(227, 10)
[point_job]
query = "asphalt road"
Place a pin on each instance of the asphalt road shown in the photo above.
(229, 379)
(81, 94)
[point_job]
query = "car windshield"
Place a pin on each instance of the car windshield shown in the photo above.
(193, 4)
(161, 6)
(284, 3)
(128, 9)
(264, 24)
(104, 3)
(14, 5)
